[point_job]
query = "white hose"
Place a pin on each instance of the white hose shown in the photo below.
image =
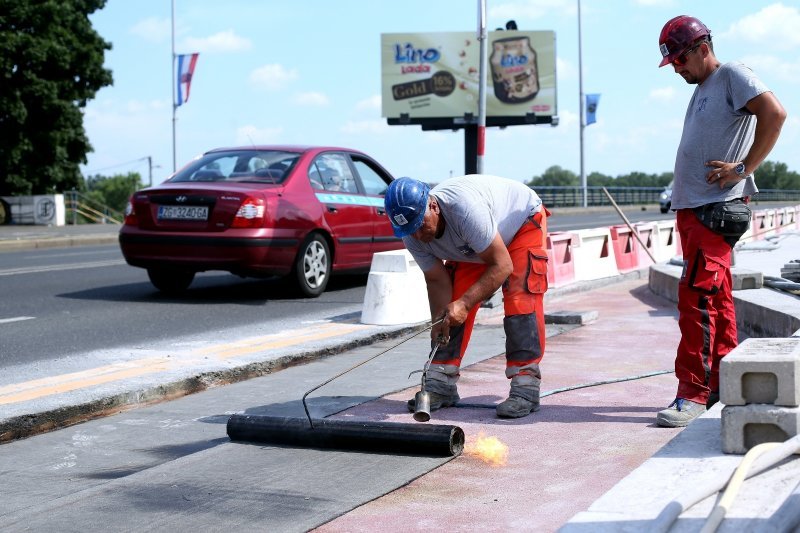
(673, 510)
(739, 475)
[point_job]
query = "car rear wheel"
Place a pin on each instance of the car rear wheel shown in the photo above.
(312, 268)
(170, 281)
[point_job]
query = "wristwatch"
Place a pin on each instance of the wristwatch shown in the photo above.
(739, 169)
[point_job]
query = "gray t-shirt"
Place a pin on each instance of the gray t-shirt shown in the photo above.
(717, 127)
(475, 207)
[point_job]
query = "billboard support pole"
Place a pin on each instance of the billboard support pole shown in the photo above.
(481, 130)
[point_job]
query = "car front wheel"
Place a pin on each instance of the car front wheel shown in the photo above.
(170, 281)
(312, 267)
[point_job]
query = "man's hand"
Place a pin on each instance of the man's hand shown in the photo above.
(723, 174)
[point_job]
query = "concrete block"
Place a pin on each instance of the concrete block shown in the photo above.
(745, 426)
(570, 317)
(762, 371)
(746, 279)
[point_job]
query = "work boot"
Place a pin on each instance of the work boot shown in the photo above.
(713, 397)
(437, 401)
(516, 407)
(679, 413)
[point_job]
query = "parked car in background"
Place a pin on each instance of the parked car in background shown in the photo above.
(665, 200)
(259, 211)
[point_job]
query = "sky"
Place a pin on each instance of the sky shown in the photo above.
(309, 72)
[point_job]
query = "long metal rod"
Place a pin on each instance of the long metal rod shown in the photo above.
(635, 233)
(305, 407)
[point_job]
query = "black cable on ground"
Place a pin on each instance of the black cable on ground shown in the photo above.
(573, 387)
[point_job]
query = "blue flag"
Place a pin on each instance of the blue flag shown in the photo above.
(591, 108)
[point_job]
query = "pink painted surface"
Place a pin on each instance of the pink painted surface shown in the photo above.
(565, 456)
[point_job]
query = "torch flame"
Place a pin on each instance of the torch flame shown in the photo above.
(490, 450)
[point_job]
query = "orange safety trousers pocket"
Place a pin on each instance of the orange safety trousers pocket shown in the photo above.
(537, 271)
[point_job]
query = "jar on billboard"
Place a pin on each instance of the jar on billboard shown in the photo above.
(514, 71)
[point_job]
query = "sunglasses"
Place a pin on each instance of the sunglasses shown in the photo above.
(682, 59)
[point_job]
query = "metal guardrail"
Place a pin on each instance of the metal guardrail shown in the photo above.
(84, 210)
(561, 196)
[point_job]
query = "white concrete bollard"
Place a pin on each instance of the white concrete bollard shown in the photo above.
(396, 291)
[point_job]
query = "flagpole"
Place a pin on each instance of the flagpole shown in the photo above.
(173, 78)
(581, 96)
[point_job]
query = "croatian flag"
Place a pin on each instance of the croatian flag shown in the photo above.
(186, 63)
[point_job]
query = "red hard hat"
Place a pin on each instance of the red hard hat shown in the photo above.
(678, 35)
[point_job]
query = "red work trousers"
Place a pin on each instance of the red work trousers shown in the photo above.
(707, 318)
(523, 295)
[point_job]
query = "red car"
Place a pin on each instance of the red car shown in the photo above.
(303, 212)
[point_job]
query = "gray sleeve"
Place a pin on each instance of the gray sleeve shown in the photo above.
(744, 86)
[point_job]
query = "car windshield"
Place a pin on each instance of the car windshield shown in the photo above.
(260, 166)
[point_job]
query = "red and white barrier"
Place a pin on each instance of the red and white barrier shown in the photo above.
(594, 254)
(626, 248)
(560, 259)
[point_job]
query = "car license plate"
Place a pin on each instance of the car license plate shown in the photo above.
(182, 212)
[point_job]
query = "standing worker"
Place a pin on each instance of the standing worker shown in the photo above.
(471, 235)
(731, 124)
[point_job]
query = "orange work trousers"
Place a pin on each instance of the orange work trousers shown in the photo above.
(523, 296)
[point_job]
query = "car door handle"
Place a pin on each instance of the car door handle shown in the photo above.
(381, 211)
(332, 208)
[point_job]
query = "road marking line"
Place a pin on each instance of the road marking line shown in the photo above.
(55, 268)
(16, 319)
(48, 386)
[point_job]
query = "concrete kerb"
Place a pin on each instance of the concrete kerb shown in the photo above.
(11, 245)
(29, 424)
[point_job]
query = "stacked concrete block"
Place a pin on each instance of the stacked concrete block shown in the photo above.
(760, 387)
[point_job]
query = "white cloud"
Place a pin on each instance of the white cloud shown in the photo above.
(224, 41)
(369, 104)
(531, 9)
(565, 70)
(366, 126)
(655, 3)
(251, 135)
(137, 106)
(153, 29)
(273, 77)
(663, 94)
(775, 25)
(311, 99)
(769, 67)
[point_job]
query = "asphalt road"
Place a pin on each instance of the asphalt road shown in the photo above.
(60, 302)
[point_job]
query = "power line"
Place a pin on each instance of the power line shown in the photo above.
(139, 160)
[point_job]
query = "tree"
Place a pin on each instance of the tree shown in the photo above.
(51, 64)
(555, 176)
(112, 191)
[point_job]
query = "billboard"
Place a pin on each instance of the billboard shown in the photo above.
(436, 75)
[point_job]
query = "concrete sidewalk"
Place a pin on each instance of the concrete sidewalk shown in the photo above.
(14, 237)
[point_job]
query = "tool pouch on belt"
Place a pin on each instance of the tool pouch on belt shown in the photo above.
(730, 219)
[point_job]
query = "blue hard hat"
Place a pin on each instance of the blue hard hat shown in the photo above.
(406, 201)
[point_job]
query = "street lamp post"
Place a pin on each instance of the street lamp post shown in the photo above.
(581, 107)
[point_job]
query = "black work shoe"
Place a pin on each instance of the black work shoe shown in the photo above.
(437, 401)
(713, 397)
(679, 413)
(516, 407)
